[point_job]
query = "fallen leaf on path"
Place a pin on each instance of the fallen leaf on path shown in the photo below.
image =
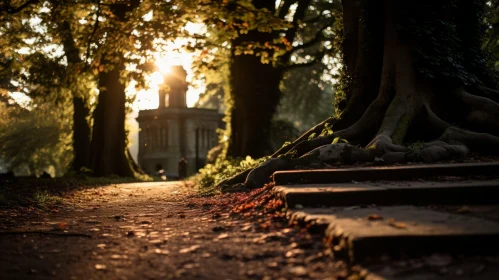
(223, 236)
(100, 266)
(246, 228)
(161, 252)
(190, 249)
(294, 252)
(374, 217)
(273, 264)
(395, 224)
(298, 270)
(62, 226)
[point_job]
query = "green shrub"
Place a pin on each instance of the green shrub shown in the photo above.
(212, 174)
(45, 199)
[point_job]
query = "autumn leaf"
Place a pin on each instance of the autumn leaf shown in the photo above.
(62, 226)
(395, 224)
(374, 217)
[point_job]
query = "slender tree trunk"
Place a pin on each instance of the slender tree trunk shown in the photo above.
(81, 134)
(109, 138)
(81, 128)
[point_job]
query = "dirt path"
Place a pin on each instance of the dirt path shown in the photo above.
(153, 231)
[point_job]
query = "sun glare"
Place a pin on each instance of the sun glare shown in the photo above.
(169, 56)
(157, 78)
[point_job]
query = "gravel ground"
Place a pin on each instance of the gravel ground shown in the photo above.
(163, 230)
(154, 231)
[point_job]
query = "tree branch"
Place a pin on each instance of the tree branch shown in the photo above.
(299, 15)
(317, 38)
(11, 10)
(96, 25)
(284, 9)
(70, 50)
(317, 59)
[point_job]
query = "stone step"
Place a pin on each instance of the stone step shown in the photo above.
(391, 193)
(407, 172)
(358, 233)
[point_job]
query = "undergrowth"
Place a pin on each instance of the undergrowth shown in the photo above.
(44, 199)
(212, 174)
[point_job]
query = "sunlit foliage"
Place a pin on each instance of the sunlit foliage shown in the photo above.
(35, 140)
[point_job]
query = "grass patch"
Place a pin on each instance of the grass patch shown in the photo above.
(46, 193)
(44, 199)
(222, 169)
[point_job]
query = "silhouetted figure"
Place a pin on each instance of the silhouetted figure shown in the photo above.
(182, 168)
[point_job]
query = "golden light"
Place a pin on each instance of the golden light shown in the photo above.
(170, 54)
(157, 78)
(163, 66)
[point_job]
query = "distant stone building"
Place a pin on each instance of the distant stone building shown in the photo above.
(173, 131)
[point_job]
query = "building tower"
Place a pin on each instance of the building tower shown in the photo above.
(175, 96)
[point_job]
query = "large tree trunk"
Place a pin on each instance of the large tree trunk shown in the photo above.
(255, 95)
(422, 85)
(109, 153)
(109, 138)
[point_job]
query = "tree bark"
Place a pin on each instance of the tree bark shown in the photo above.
(255, 95)
(81, 128)
(109, 153)
(81, 134)
(109, 137)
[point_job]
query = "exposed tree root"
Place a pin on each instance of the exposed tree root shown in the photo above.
(317, 129)
(484, 112)
(489, 93)
(318, 152)
(477, 142)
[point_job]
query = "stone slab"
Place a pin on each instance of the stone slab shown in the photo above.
(406, 172)
(391, 193)
(401, 231)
